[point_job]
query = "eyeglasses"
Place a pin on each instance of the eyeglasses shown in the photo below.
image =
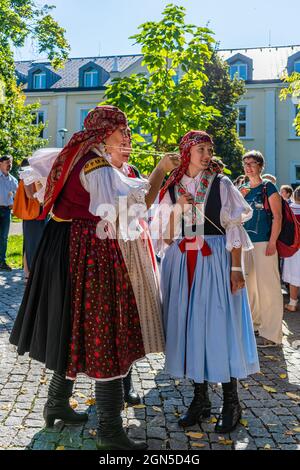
(251, 165)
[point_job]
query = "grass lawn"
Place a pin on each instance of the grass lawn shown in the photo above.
(15, 251)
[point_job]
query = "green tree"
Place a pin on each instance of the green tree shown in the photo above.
(293, 90)
(19, 20)
(167, 100)
(224, 93)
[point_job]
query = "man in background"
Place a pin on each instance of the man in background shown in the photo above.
(8, 187)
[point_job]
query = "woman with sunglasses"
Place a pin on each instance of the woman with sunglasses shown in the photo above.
(261, 264)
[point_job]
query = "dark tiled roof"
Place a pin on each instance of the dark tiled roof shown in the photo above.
(70, 73)
(268, 64)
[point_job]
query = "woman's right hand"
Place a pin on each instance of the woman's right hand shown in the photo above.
(185, 201)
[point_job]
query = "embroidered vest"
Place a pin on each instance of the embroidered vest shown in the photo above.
(74, 200)
(212, 209)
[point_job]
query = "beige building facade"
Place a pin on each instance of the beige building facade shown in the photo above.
(265, 122)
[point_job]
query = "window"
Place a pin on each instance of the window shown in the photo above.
(242, 121)
(238, 70)
(39, 80)
(297, 66)
(91, 78)
(175, 79)
(297, 172)
(83, 115)
(38, 118)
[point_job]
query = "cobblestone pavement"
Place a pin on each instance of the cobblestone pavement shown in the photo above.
(271, 399)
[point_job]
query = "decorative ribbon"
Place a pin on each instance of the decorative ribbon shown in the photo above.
(191, 246)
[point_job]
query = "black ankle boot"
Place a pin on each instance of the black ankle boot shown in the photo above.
(58, 405)
(199, 408)
(231, 411)
(109, 403)
(131, 397)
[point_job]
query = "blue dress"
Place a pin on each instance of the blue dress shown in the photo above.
(209, 331)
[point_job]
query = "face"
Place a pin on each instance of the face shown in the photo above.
(201, 155)
(284, 194)
(251, 167)
(119, 145)
(6, 166)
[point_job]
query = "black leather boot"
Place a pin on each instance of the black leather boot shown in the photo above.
(58, 405)
(131, 397)
(199, 408)
(109, 404)
(231, 411)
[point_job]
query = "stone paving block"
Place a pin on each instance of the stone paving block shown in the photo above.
(155, 444)
(269, 415)
(137, 433)
(263, 442)
(156, 433)
(178, 445)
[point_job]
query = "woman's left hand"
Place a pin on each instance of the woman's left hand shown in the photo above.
(271, 249)
(169, 162)
(237, 281)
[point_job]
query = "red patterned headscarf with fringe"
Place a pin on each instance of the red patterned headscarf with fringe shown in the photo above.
(187, 142)
(99, 124)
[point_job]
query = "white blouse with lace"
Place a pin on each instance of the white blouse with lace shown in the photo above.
(115, 197)
(234, 212)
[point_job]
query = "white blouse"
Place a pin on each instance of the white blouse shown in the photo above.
(117, 199)
(234, 212)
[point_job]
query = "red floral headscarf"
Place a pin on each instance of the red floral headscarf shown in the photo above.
(187, 142)
(99, 124)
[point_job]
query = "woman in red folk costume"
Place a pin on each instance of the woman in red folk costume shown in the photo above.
(92, 302)
(207, 320)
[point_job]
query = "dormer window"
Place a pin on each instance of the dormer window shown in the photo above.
(39, 80)
(91, 78)
(241, 67)
(238, 70)
(293, 64)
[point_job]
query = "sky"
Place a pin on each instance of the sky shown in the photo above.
(103, 27)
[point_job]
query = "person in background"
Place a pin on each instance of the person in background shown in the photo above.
(269, 177)
(286, 192)
(8, 188)
(261, 264)
(32, 228)
(291, 266)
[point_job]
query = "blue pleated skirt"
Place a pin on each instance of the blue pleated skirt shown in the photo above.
(209, 334)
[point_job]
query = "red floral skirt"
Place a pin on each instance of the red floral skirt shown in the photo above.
(106, 335)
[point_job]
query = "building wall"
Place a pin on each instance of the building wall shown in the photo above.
(269, 123)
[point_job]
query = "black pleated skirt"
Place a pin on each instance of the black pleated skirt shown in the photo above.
(43, 324)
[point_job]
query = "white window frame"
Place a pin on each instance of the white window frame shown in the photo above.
(292, 114)
(44, 111)
(293, 165)
(92, 73)
(38, 78)
(238, 73)
(248, 105)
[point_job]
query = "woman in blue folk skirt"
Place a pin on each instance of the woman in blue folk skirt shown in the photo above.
(207, 320)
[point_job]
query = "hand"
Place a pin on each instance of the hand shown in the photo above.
(185, 201)
(271, 249)
(169, 162)
(237, 281)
